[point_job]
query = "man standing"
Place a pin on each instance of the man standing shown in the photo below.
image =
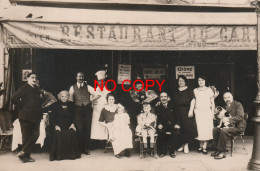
(80, 94)
(220, 136)
(168, 127)
(30, 115)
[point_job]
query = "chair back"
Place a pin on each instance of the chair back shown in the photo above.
(245, 116)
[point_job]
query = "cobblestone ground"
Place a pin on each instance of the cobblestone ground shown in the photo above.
(98, 160)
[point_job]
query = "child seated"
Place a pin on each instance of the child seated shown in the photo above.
(146, 125)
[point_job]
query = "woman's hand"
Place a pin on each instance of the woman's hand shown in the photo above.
(177, 127)
(190, 114)
(72, 126)
(57, 128)
(213, 115)
(160, 126)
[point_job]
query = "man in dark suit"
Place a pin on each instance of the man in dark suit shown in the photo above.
(30, 115)
(220, 136)
(168, 127)
(80, 95)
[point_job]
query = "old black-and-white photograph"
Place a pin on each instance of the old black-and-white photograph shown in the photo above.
(129, 85)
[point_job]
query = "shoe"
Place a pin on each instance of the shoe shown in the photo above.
(199, 150)
(221, 155)
(127, 153)
(173, 155)
(20, 153)
(215, 153)
(118, 156)
(23, 158)
(204, 151)
(186, 149)
(29, 159)
(180, 149)
(162, 155)
(85, 152)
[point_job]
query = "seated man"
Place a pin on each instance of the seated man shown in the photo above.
(146, 125)
(168, 127)
(220, 136)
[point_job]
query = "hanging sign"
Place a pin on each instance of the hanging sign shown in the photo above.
(187, 71)
(154, 73)
(124, 73)
(134, 37)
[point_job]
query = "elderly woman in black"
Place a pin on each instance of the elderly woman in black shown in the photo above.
(65, 143)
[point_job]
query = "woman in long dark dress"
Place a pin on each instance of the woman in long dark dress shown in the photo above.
(64, 143)
(182, 99)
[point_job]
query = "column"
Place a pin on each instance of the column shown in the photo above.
(254, 163)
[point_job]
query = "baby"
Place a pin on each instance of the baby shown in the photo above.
(146, 125)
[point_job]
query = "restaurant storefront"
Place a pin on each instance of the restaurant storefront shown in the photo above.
(58, 42)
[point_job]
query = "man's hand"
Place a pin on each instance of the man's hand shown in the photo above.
(158, 103)
(160, 126)
(177, 127)
(72, 126)
(57, 128)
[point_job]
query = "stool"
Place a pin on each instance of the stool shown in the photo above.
(142, 150)
(4, 139)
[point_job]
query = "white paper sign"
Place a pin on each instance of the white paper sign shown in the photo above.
(124, 73)
(187, 71)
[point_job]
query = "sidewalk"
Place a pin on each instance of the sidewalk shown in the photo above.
(98, 160)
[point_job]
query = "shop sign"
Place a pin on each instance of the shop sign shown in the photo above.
(125, 37)
(187, 71)
(154, 73)
(124, 73)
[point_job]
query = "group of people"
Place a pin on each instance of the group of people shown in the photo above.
(82, 114)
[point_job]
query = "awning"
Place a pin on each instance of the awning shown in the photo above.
(68, 15)
(45, 27)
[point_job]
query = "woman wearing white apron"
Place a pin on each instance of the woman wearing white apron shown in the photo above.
(99, 132)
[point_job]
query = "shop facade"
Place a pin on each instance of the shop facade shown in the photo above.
(160, 45)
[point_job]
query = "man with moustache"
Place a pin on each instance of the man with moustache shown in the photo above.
(220, 136)
(80, 95)
(30, 115)
(168, 127)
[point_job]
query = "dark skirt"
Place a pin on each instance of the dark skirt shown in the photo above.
(188, 125)
(64, 145)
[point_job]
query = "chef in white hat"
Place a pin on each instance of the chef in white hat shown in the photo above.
(99, 132)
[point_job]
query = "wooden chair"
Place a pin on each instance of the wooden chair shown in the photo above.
(241, 135)
(6, 139)
(108, 144)
(142, 150)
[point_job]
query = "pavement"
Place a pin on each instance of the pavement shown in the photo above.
(100, 161)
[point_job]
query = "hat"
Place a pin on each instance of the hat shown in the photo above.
(101, 75)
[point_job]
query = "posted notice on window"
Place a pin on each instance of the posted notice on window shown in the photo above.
(187, 71)
(124, 73)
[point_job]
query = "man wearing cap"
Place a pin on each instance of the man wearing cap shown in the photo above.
(80, 94)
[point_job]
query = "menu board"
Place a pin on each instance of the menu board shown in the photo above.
(124, 73)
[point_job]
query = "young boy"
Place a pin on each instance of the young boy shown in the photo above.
(146, 125)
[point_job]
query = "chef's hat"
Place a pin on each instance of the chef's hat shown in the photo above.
(101, 75)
